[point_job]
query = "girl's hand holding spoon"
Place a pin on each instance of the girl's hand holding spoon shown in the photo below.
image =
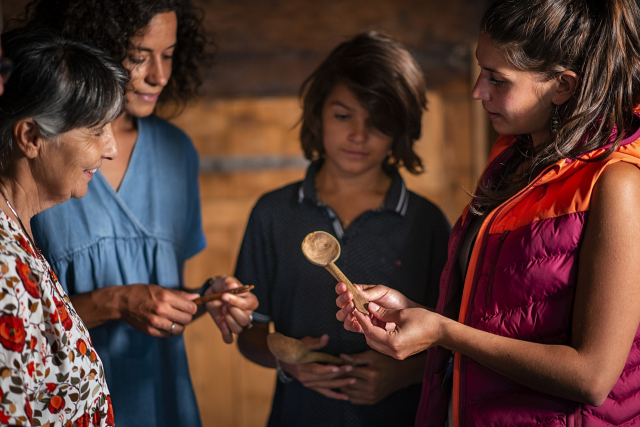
(322, 249)
(379, 295)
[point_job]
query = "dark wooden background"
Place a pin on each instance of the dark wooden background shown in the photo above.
(267, 47)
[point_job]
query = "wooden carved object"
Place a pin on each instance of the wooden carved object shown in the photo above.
(212, 297)
(293, 351)
(323, 249)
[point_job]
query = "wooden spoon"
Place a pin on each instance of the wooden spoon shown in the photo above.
(212, 297)
(323, 249)
(293, 351)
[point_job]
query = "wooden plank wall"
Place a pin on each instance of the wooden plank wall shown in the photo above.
(267, 48)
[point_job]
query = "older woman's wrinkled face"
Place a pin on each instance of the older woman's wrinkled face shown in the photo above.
(150, 61)
(67, 165)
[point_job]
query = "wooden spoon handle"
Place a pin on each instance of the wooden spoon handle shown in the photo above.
(213, 297)
(359, 300)
(316, 356)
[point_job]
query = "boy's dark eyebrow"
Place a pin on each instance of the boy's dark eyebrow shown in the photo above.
(341, 105)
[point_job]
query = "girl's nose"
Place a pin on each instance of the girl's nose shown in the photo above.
(479, 92)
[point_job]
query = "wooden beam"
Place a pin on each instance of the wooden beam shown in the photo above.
(250, 163)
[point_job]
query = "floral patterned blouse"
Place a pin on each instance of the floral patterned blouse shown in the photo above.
(50, 375)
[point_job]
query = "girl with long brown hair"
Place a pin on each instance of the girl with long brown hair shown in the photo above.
(537, 320)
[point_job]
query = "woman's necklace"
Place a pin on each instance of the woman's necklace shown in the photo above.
(24, 230)
(52, 278)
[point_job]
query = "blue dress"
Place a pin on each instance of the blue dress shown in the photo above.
(143, 233)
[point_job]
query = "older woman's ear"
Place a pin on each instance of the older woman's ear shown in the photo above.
(27, 137)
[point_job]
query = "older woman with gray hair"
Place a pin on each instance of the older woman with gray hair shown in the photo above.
(55, 131)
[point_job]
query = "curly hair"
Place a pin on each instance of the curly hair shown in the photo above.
(111, 24)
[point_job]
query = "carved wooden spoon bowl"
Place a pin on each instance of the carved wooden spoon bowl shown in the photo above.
(293, 351)
(323, 249)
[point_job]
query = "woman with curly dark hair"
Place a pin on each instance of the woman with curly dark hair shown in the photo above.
(537, 323)
(141, 218)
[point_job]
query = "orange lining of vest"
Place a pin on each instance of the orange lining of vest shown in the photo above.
(530, 209)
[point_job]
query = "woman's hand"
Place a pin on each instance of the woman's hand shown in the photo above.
(154, 310)
(232, 313)
(321, 378)
(381, 295)
(378, 375)
(405, 332)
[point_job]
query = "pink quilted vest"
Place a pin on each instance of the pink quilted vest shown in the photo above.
(520, 284)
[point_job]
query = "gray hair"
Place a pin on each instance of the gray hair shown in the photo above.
(60, 84)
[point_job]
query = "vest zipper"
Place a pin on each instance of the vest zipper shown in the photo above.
(441, 306)
(493, 267)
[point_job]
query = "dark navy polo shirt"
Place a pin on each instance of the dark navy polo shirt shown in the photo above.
(403, 245)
